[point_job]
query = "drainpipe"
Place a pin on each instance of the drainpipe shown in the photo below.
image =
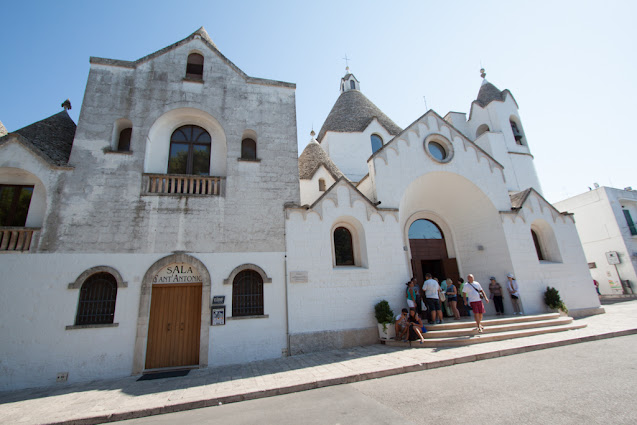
(285, 270)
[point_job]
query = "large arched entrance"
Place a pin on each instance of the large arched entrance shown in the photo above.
(429, 252)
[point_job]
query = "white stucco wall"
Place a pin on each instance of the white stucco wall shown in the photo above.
(569, 275)
(310, 187)
(37, 306)
(602, 227)
(350, 151)
(343, 297)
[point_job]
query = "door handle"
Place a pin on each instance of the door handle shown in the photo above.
(182, 326)
(168, 327)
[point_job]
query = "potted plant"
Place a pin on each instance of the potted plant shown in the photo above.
(385, 319)
(554, 302)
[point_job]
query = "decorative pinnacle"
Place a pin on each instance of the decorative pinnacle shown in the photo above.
(66, 105)
(482, 73)
(312, 133)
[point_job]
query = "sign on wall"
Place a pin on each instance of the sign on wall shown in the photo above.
(298, 277)
(178, 273)
(612, 257)
(218, 316)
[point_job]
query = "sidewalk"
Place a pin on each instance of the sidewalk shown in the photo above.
(126, 398)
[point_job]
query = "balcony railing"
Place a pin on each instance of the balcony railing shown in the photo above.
(179, 184)
(16, 239)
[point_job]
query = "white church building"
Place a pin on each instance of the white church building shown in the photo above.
(177, 226)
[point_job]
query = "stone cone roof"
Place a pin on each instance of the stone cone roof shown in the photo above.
(53, 136)
(3, 129)
(488, 93)
(312, 158)
(352, 113)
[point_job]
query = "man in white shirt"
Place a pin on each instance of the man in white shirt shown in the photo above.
(432, 301)
(473, 293)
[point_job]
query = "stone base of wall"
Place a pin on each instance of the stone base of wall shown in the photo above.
(327, 340)
(585, 312)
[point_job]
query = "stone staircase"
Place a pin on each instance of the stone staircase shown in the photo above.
(454, 333)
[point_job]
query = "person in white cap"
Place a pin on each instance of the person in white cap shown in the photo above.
(514, 291)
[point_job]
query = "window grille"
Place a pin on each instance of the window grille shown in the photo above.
(631, 224)
(97, 300)
(247, 294)
(343, 247)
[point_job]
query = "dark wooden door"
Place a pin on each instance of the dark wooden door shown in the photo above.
(174, 326)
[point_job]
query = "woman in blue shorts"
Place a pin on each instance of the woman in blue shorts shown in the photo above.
(452, 299)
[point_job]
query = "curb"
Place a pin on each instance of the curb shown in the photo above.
(134, 414)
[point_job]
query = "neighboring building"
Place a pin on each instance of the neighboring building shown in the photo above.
(606, 222)
(181, 193)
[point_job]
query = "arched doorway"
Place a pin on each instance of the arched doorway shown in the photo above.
(174, 315)
(429, 253)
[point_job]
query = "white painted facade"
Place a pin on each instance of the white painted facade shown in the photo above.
(603, 227)
(99, 213)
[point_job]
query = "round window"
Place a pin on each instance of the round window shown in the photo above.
(437, 151)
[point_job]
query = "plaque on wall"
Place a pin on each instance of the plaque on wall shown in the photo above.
(218, 299)
(218, 316)
(299, 277)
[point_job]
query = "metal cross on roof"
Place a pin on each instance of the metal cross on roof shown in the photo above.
(346, 59)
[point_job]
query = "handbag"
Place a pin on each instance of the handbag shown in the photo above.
(481, 293)
(441, 296)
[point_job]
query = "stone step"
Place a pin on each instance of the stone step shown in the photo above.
(467, 322)
(493, 326)
(484, 337)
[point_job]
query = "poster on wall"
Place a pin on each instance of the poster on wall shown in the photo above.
(218, 316)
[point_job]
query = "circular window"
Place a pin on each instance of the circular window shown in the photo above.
(438, 148)
(437, 151)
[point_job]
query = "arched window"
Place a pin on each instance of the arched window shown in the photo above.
(377, 142)
(194, 67)
(424, 229)
(538, 247)
(123, 143)
(248, 149)
(247, 294)
(189, 151)
(321, 183)
(97, 300)
(517, 134)
(343, 247)
(481, 130)
(352, 84)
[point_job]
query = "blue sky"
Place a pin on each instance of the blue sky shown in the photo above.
(571, 65)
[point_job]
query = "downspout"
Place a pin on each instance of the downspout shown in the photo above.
(285, 270)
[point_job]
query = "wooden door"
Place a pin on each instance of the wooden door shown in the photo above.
(174, 326)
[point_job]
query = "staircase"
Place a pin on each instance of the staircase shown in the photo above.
(454, 333)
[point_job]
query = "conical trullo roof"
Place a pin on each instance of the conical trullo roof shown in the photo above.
(488, 93)
(53, 136)
(3, 129)
(314, 156)
(352, 113)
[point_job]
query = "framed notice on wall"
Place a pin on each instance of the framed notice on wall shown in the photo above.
(218, 316)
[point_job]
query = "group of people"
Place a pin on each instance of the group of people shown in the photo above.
(409, 325)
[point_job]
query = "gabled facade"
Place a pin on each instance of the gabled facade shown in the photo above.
(173, 193)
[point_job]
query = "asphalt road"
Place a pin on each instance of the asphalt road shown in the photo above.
(589, 383)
